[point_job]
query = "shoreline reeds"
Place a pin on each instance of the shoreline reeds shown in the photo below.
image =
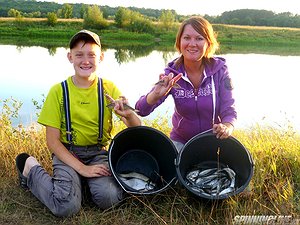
(274, 188)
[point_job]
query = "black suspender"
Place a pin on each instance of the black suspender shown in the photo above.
(67, 111)
(66, 101)
(100, 110)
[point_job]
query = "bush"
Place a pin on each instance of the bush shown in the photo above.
(93, 18)
(51, 19)
(141, 25)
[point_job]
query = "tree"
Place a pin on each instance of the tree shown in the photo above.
(93, 18)
(36, 14)
(66, 11)
(141, 25)
(52, 19)
(123, 17)
(167, 19)
(14, 13)
(132, 21)
(83, 10)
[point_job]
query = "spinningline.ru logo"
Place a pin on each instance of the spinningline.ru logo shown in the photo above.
(266, 220)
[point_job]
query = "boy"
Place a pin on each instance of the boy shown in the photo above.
(78, 126)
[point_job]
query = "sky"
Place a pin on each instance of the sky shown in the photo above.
(200, 7)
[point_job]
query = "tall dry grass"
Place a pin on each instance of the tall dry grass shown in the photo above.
(275, 186)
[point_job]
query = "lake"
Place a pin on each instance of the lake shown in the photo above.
(265, 85)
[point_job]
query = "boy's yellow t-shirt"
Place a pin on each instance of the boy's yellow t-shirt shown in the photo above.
(83, 111)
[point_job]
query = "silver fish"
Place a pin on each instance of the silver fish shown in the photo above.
(227, 191)
(212, 181)
(135, 175)
(138, 184)
(207, 172)
(137, 181)
(193, 175)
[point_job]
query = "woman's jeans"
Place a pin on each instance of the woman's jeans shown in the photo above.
(178, 145)
(62, 193)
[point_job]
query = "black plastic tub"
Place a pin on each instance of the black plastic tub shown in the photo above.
(148, 151)
(143, 150)
(207, 149)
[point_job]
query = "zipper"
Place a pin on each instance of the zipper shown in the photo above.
(196, 94)
(196, 103)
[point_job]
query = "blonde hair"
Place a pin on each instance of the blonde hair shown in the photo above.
(205, 29)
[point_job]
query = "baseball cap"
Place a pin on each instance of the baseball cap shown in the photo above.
(84, 35)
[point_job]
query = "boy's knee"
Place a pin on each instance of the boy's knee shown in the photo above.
(67, 198)
(66, 208)
(107, 197)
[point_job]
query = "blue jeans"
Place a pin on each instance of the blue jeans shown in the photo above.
(178, 145)
(62, 193)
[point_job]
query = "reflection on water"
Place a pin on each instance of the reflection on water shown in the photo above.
(265, 85)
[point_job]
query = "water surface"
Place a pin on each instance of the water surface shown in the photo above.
(265, 85)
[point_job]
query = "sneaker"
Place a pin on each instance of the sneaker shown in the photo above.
(20, 163)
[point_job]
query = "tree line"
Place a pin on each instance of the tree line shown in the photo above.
(138, 18)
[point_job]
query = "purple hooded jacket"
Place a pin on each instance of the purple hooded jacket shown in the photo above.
(195, 113)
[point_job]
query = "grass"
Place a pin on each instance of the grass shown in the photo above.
(275, 184)
(242, 39)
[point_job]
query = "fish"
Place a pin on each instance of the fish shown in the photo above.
(137, 181)
(134, 175)
(173, 82)
(138, 184)
(211, 181)
(112, 104)
(175, 85)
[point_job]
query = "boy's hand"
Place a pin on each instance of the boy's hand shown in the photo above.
(121, 103)
(97, 170)
(126, 112)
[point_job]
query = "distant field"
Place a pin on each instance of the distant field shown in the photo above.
(232, 38)
(259, 27)
(39, 19)
(226, 25)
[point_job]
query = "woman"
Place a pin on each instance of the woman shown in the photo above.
(203, 97)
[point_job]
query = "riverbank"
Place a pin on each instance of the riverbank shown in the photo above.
(274, 191)
(29, 32)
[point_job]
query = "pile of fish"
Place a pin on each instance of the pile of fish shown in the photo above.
(137, 181)
(211, 181)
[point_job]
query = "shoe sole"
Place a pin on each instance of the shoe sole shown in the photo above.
(20, 163)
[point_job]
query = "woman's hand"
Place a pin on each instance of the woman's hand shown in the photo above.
(223, 130)
(162, 87)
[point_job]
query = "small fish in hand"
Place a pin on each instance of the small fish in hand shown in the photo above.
(112, 104)
(162, 82)
(173, 81)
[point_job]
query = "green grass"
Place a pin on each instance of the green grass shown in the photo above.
(242, 39)
(275, 183)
